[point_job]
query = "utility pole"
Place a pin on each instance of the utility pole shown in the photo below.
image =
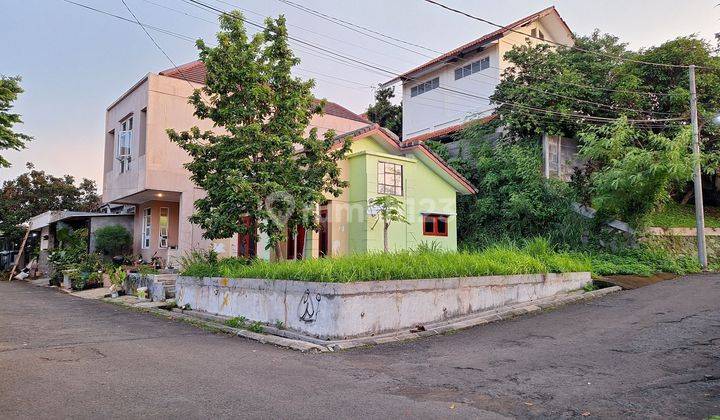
(699, 213)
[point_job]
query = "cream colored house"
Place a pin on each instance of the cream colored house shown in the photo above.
(142, 167)
(442, 95)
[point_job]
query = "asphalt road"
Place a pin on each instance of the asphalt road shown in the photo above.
(653, 352)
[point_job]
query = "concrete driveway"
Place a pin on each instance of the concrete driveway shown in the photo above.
(653, 352)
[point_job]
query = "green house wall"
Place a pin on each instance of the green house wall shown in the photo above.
(424, 191)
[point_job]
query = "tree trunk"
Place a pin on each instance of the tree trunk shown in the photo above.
(687, 197)
(278, 252)
(385, 236)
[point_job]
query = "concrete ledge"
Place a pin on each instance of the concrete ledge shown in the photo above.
(332, 311)
(659, 231)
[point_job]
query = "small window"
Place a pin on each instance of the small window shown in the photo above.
(540, 34)
(390, 178)
(425, 87)
(147, 224)
(533, 32)
(476, 67)
(458, 73)
(124, 144)
(485, 63)
(163, 227)
(435, 225)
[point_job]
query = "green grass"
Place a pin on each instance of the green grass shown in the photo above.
(534, 257)
(678, 215)
(641, 261)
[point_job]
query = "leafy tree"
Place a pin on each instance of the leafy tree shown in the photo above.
(384, 112)
(259, 163)
(9, 91)
(113, 240)
(35, 192)
(514, 200)
(571, 82)
(389, 209)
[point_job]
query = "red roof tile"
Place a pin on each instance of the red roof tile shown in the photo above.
(479, 42)
(195, 72)
(446, 131)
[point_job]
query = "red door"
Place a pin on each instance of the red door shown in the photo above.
(324, 234)
(246, 243)
(295, 247)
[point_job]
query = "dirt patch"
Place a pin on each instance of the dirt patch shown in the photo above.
(634, 282)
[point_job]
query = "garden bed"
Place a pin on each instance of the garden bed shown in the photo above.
(340, 310)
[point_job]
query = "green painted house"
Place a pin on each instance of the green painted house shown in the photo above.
(380, 164)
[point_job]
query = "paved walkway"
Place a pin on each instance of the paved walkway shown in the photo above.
(649, 352)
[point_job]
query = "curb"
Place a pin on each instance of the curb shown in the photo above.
(298, 341)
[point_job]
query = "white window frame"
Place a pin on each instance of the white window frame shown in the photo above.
(163, 227)
(124, 144)
(389, 173)
(146, 228)
(472, 68)
(424, 87)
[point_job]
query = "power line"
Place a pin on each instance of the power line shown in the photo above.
(357, 28)
(157, 45)
(546, 112)
(606, 55)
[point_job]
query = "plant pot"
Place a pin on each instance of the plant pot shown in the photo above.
(114, 295)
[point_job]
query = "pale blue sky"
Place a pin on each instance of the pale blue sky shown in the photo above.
(75, 62)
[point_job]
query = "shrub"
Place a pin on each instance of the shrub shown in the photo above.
(113, 240)
(495, 260)
(236, 322)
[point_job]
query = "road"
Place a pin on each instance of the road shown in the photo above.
(652, 352)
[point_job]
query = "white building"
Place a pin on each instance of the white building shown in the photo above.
(441, 95)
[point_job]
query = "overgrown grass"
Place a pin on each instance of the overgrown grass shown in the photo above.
(678, 215)
(641, 261)
(535, 256)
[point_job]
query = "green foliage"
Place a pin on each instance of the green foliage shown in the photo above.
(236, 322)
(117, 277)
(495, 260)
(389, 209)
(256, 327)
(70, 252)
(514, 200)
(279, 325)
(636, 170)
(641, 261)
(9, 91)
(35, 192)
(113, 240)
(384, 112)
(677, 215)
(263, 165)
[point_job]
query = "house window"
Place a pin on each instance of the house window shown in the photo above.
(147, 220)
(425, 87)
(163, 227)
(390, 178)
(124, 154)
(435, 225)
(471, 68)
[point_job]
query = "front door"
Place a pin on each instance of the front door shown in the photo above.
(324, 234)
(246, 243)
(296, 244)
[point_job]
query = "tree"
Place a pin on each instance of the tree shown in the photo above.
(384, 112)
(35, 192)
(570, 84)
(9, 91)
(515, 200)
(389, 209)
(113, 240)
(259, 163)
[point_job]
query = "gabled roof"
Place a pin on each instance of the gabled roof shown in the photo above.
(473, 45)
(196, 72)
(447, 130)
(394, 142)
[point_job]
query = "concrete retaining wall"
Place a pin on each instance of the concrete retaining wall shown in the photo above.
(341, 310)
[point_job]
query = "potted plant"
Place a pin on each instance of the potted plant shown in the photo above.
(117, 278)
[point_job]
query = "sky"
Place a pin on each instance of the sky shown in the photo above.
(75, 62)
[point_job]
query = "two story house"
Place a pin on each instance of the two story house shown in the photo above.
(143, 168)
(442, 95)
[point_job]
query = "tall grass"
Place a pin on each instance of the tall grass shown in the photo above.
(534, 257)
